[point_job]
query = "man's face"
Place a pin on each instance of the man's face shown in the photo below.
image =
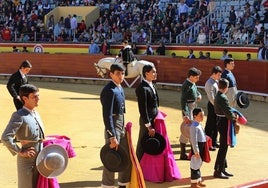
(200, 116)
(230, 66)
(25, 70)
(32, 100)
(217, 76)
(194, 79)
(152, 75)
(118, 76)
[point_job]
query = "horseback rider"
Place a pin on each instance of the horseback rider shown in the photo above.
(126, 54)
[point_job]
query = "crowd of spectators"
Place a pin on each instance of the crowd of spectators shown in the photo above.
(139, 21)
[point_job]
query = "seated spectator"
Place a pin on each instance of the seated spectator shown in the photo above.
(142, 36)
(220, 39)
(203, 7)
(265, 16)
(46, 7)
(248, 22)
(43, 38)
(233, 15)
(81, 26)
(216, 26)
(257, 39)
(211, 6)
(255, 14)
(84, 36)
(262, 33)
(117, 36)
(236, 34)
(201, 38)
(188, 39)
(244, 36)
(6, 33)
(213, 36)
(183, 9)
(23, 38)
(253, 36)
(62, 36)
(258, 26)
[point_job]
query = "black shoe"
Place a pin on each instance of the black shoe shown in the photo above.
(216, 146)
(121, 186)
(212, 148)
(227, 174)
(220, 175)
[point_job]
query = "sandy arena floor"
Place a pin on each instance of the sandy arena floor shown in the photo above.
(74, 110)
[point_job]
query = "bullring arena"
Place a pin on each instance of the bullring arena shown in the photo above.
(69, 105)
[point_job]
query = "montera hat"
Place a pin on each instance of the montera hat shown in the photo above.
(242, 100)
(153, 145)
(114, 160)
(195, 163)
(52, 161)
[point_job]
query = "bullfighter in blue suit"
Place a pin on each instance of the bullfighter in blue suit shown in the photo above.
(113, 108)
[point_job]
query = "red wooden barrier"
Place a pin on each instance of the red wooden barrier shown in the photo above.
(251, 76)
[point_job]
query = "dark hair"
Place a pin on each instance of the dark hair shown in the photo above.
(228, 61)
(26, 64)
(194, 72)
(223, 83)
(117, 67)
(26, 89)
(197, 110)
(216, 70)
(146, 68)
(125, 41)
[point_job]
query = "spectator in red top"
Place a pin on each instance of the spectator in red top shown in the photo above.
(82, 26)
(6, 34)
(105, 48)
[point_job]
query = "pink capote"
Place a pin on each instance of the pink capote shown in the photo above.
(65, 142)
(162, 167)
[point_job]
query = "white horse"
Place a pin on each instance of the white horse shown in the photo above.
(134, 68)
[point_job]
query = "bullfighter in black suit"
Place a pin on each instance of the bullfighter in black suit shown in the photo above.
(148, 103)
(16, 80)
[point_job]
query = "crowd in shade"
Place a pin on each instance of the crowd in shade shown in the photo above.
(138, 21)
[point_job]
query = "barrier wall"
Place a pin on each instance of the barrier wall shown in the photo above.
(250, 75)
(238, 52)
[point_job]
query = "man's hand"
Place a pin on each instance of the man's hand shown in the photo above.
(114, 143)
(27, 153)
(151, 131)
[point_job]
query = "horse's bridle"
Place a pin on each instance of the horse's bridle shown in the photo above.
(100, 71)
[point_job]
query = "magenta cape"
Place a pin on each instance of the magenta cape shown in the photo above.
(162, 167)
(65, 142)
